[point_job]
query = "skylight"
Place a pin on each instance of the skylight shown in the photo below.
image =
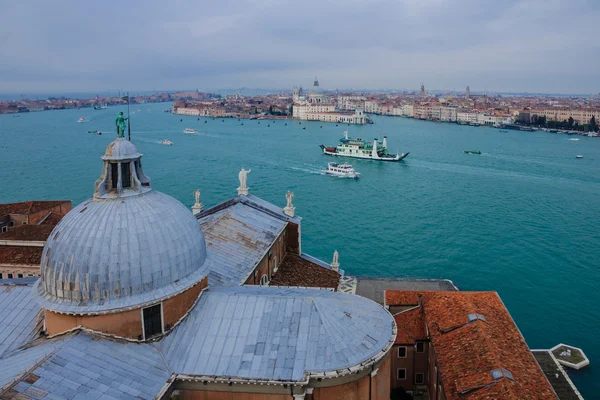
(473, 317)
(501, 373)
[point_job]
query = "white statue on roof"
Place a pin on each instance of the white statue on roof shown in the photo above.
(335, 265)
(198, 206)
(289, 209)
(243, 175)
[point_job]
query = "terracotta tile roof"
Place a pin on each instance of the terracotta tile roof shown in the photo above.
(411, 326)
(21, 255)
(28, 207)
(297, 271)
(467, 352)
(52, 219)
(28, 232)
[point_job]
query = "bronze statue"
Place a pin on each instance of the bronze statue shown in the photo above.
(120, 122)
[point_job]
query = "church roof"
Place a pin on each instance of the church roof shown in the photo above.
(238, 234)
(246, 332)
(20, 316)
(278, 333)
(82, 366)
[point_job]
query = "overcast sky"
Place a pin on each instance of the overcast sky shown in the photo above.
(509, 45)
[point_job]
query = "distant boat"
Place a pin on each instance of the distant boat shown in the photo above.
(100, 107)
(190, 131)
(166, 142)
(81, 119)
(97, 132)
(574, 139)
(472, 152)
(344, 170)
(578, 156)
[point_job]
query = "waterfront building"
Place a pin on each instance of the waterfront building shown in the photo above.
(466, 116)
(455, 345)
(24, 228)
(140, 298)
(580, 116)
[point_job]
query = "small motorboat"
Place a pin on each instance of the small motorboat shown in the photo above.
(472, 152)
(574, 139)
(578, 156)
(166, 142)
(190, 131)
(96, 132)
(81, 119)
(344, 170)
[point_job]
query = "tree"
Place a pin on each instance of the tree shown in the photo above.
(593, 124)
(571, 120)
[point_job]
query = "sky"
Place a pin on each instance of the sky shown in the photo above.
(539, 46)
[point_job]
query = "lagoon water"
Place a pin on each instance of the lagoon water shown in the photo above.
(520, 219)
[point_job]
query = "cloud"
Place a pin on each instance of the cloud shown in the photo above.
(527, 45)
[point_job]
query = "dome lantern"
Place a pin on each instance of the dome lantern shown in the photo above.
(122, 174)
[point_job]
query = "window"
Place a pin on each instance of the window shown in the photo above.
(152, 321)
(1, 275)
(24, 222)
(125, 175)
(401, 374)
(114, 175)
(10, 276)
(264, 280)
(19, 275)
(419, 378)
(4, 228)
(402, 352)
(420, 347)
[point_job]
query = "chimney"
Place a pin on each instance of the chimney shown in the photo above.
(374, 153)
(420, 301)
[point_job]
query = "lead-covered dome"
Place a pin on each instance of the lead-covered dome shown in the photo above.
(127, 246)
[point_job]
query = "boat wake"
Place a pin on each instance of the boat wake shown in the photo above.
(306, 169)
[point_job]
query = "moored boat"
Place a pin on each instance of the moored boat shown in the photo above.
(190, 131)
(358, 148)
(344, 170)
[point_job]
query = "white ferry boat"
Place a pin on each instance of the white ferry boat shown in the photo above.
(190, 131)
(344, 170)
(358, 148)
(166, 142)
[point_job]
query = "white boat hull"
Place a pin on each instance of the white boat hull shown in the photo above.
(397, 157)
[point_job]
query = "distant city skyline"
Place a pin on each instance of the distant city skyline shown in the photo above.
(517, 46)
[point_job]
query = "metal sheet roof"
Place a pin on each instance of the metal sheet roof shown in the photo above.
(277, 333)
(113, 253)
(237, 238)
(19, 316)
(86, 367)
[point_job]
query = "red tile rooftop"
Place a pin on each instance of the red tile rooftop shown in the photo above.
(21, 255)
(28, 232)
(297, 271)
(28, 207)
(468, 351)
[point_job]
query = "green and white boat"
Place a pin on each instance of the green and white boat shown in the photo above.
(358, 148)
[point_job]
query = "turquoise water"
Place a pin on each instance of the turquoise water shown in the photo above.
(520, 219)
